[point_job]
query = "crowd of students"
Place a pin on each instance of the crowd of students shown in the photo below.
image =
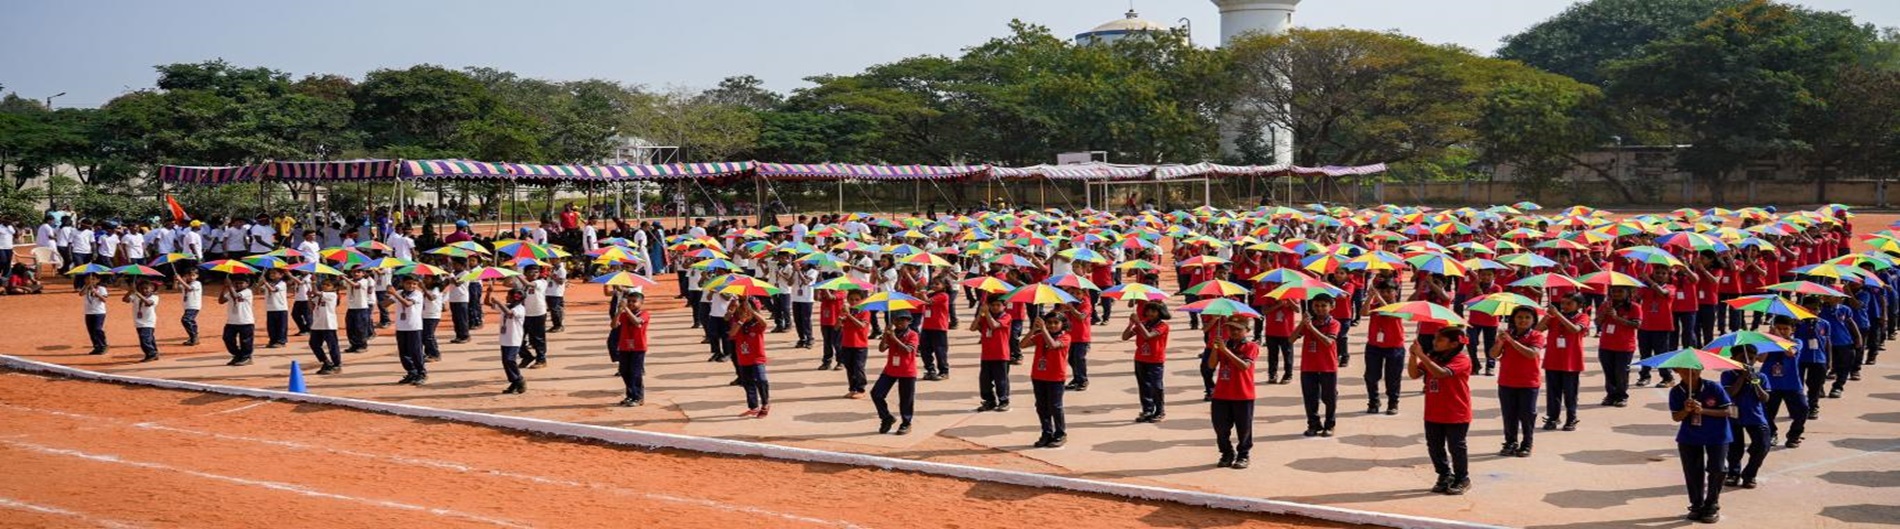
(1035, 285)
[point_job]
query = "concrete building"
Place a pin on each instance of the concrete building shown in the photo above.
(1270, 17)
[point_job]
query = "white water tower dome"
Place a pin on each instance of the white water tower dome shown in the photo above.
(1115, 29)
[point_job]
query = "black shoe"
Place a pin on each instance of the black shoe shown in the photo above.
(1550, 424)
(1042, 442)
(1835, 394)
(1311, 431)
(1571, 426)
(538, 364)
(944, 375)
(1157, 417)
(839, 367)
(525, 363)
(884, 425)
(1853, 376)
(189, 343)
(1058, 441)
(1621, 404)
(1272, 379)
(825, 366)
(1225, 461)
(1241, 463)
(1733, 480)
(406, 379)
(1002, 407)
(241, 362)
(510, 390)
(1814, 414)
(713, 358)
(985, 407)
(97, 351)
(433, 358)
(424, 379)
(1510, 449)
(1794, 442)
(930, 375)
(1710, 515)
(1748, 483)
(1392, 407)
(1326, 432)
(1144, 417)
(1640, 382)
(557, 329)
(734, 382)
(1372, 407)
(149, 358)
(1459, 487)
(1523, 451)
(903, 429)
(1080, 387)
(1444, 482)
(626, 402)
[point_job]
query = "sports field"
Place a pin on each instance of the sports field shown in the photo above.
(106, 455)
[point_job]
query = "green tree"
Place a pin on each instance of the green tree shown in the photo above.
(1588, 35)
(1738, 82)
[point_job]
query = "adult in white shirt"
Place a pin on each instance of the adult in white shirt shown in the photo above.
(323, 328)
(799, 230)
(590, 237)
(82, 244)
(192, 242)
(108, 247)
(234, 243)
(402, 246)
(47, 236)
(263, 238)
(134, 246)
(7, 231)
(309, 247)
(164, 239)
(240, 325)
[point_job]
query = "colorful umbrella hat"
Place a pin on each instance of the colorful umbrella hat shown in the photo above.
(229, 266)
(889, 301)
(169, 258)
(1806, 287)
(845, 283)
(1140, 291)
(749, 286)
(1138, 264)
(137, 270)
(1281, 275)
(1502, 303)
(1071, 281)
(988, 284)
(1609, 278)
(1762, 342)
(1770, 304)
(1306, 290)
(1215, 288)
(1548, 280)
(421, 269)
(316, 268)
(1220, 307)
(1690, 359)
(482, 273)
(1421, 311)
(1040, 294)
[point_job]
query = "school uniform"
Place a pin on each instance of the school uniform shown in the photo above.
(536, 325)
(431, 318)
(802, 299)
(458, 303)
(556, 300)
(95, 305)
(1319, 374)
(748, 340)
(1233, 404)
(300, 288)
(1448, 419)
(900, 371)
(240, 326)
(1385, 359)
(1519, 380)
(854, 339)
(1081, 337)
(1563, 366)
(1684, 306)
(145, 321)
(1702, 443)
(511, 337)
(1047, 373)
(276, 313)
(194, 296)
(935, 348)
(384, 278)
(829, 309)
(323, 341)
(630, 352)
(1655, 332)
(1278, 331)
(1751, 422)
(1483, 331)
(1844, 356)
(1151, 356)
(409, 348)
(357, 319)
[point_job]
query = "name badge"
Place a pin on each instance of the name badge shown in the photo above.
(1378, 336)
(1814, 344)
(1560, 343)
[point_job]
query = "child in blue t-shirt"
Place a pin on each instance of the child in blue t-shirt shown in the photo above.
(1781, 371)
(1817, 352)
(1748, 389)
(1704, 410)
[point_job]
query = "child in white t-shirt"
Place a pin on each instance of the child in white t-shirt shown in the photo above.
(144, 299)
(95, 296)
(240, 324)
(194, 294)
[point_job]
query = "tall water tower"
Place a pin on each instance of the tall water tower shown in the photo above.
(1272, 17)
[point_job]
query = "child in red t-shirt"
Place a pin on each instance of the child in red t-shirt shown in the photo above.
(1446, 371)
(1618, 318)
(900, 348)
(830, 309)
(1385, 350)
(1657, 332)
(1047, 373)
(936, 331)
(1519, 354)
(1232, 405)
(630, 350)
(992, 325)
(854, 343)
(1148, 327)
(748, 341)
(1564, 327)
(1319, 365)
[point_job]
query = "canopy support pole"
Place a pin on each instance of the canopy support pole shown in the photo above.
(758, 201)
(514, 207)
(840, 196)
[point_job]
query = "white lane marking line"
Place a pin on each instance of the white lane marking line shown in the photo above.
(272, 485)
(10, 503)
(239, 408)
(453, 466)
(1831, 461)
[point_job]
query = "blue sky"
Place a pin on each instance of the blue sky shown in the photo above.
(97, 49)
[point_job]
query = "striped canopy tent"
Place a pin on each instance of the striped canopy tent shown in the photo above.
(1088, 171)
(1175, 170)
(340, 170)
(675, 171)
(1337, 171)
(830, 171)
(552, 173)
(453, 170)
(186, 174)
(1246, 170)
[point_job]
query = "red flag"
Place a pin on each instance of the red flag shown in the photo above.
(178, 212)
